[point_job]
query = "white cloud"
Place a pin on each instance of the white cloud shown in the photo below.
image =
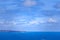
(37, 21)
(29, 3)
(52, 20)
(20, 21)
(33, 22)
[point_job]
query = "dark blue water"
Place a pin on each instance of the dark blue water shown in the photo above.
(29, 35)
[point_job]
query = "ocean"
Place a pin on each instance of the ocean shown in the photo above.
(29, 35)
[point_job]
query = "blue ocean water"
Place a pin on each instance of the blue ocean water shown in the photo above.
(29, 35)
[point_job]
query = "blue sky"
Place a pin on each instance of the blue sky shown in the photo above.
(30, 15)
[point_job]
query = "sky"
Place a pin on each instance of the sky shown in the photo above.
(30, 15)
